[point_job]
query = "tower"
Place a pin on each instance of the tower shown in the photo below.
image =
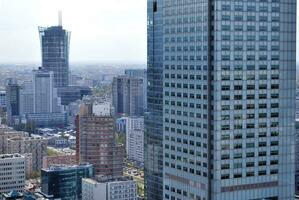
(224, 77)
(55, 43)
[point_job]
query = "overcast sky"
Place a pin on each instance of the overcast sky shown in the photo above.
(102, 30)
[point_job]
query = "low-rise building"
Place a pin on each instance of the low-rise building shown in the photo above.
(35, 145)
(12, 173)
(106, 188)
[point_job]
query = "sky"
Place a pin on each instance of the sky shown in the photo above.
(101, 30)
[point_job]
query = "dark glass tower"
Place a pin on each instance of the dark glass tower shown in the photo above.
(55, 53)
(153, 148)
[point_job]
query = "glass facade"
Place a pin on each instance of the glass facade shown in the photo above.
(153, 149)
(64, 182)
(228, 97)
(55, 53)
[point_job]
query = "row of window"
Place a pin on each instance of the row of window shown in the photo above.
(249, 135)
(250, 174)
(223, 67)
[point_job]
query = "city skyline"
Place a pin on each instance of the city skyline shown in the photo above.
(114, 31)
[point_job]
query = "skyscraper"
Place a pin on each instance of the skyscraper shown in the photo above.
(128, 95)
(153, 135)
(45, 98)
(12, 102)
(55, 53)
(228, 97)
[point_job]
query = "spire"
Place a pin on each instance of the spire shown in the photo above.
(59, 18)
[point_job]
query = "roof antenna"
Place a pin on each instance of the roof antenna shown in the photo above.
(59, 18)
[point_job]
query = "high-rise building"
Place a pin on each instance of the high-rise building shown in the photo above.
(12, 176)
(153, 134)
(143, 74)
(12, 102)
(127, 95)
(228, 97)
(39, 102)
(2, 99)
(135, 139)
(26, 98)
(55, 53)
(97, 144)
(45, 98)
(64, 182)
(37, 146)
(106, 188)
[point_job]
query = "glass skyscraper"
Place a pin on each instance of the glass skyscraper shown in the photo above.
(55, 53)
(227, 70)
(153, 149)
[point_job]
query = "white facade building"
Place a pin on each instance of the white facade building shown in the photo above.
(135, 138)
(12, 173)
(124, 188)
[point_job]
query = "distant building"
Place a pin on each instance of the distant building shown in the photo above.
(72, 93)
(104, 188)
(55, 53)
(121, 124)
(12, 102)
(2, 99)
(128, 95)
(97, 145)
(37, 146)
(143, 74)
(12, 176)
(39, 102)
(26, 98)
(49, 161)
(45, 99)
(64, 182)
(135, 139)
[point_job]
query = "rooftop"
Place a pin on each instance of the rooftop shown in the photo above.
(9, 156)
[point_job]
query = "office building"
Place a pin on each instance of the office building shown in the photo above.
(35, 145)
(2, 99)
(26, 98)
(12, 176)
(64, 182)
(127, 95)
(105, 188)
(39, 101)
(97, 145)
(141, 73)
(153, 119)
(55, 53)
(135, 139)
(12, 102)
(72, 93)
(45, 99)
(228, 97)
